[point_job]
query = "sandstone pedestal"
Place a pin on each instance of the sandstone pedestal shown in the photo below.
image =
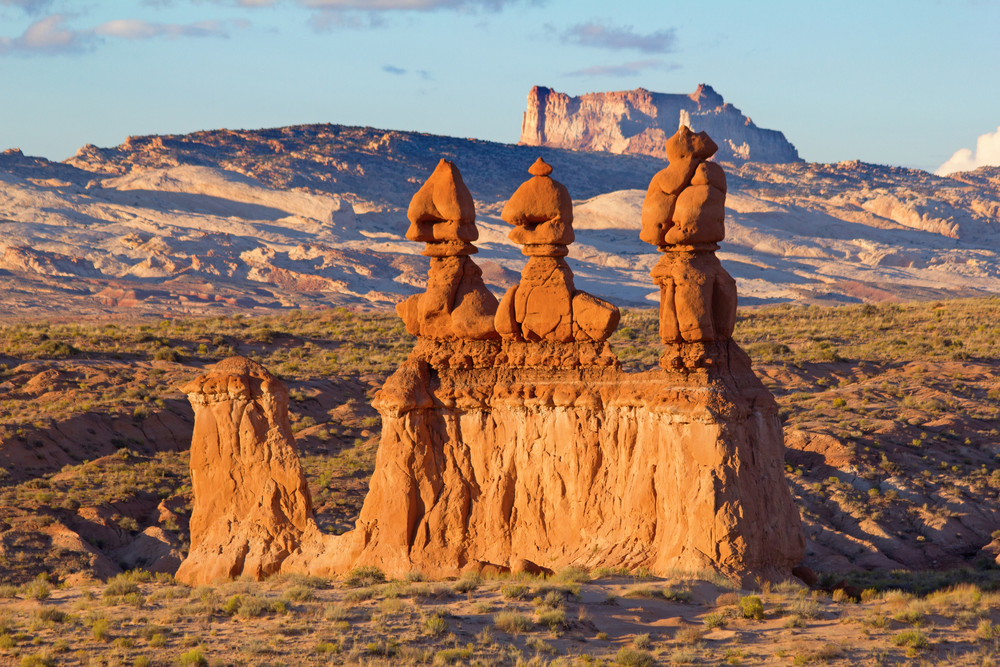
(566, 463)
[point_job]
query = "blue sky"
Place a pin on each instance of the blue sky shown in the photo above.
(903, 83)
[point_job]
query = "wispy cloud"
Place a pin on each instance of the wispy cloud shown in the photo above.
(987, 155)
(605, 35)
(389, 5)
(51, 36)
(625, 69)
(391, 69)
(46, 36)
(134, 29)
(29, 6)
(357, 14)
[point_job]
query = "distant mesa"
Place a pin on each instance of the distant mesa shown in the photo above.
(640, 121)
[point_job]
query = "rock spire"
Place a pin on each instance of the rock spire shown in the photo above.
(457, 303)
(684, 216)
(545, 305)
(251, 501)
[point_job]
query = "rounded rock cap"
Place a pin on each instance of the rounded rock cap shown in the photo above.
(444, 197)
(540, 168)
(539, 199)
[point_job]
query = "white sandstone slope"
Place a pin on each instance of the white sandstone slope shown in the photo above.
(214, 221)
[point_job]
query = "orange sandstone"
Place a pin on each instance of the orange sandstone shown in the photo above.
(251, 500)
(525, 453)
(457, 303)
(684, 215)
(545, 305)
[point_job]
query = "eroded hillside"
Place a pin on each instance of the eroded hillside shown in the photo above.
(314, 216)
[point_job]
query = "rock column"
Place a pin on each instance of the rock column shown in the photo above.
(251, 501)
(545, 305)
(684, 216)
(457, 303)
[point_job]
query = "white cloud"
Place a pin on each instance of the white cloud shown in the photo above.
(605, 35)
(134, 29)
(365, 14)
(987, 155)
(46, 36)
(50, 36)
(625, 69)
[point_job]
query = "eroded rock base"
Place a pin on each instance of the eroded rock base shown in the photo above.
(560, 458)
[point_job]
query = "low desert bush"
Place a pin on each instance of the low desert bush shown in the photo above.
(512, 622)
(361, 577)
(751, 606)
(192, 658)
(910, 638)
(630, 657)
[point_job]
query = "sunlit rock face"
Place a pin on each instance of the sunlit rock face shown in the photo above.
(639, 121)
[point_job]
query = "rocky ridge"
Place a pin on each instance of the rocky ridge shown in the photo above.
(314, 216)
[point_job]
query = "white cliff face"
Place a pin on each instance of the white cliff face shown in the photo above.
(639, 121)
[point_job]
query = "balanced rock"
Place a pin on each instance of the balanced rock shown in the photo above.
(443, 212)
(251, 501)
(684, 215)
(457, 303)
(528, 453)
(542, 307)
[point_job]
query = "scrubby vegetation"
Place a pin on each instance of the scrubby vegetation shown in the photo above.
(93, 427)
(580, 619)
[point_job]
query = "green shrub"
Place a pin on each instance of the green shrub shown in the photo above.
(120, 586)
(193, 658)
(468, 583)
(553, 619)
(37, 660)
(751, 606)
(911, 638)
(327, 647)
(299, 594)
(360, 577)
(435, 626)
(630, 657)
(38, 589)
(100, 629)
(51, 614)
(714, 620)
(515, 591)
(512, 622)
(452, 655)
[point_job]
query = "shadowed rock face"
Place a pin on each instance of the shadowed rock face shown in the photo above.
(251, 500)
(639, 121)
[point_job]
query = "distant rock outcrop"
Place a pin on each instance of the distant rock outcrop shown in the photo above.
(639, 121)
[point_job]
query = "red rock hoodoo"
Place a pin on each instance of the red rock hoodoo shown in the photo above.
(684, 216)
(525, 446)
(251, 500)
(456, 303)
